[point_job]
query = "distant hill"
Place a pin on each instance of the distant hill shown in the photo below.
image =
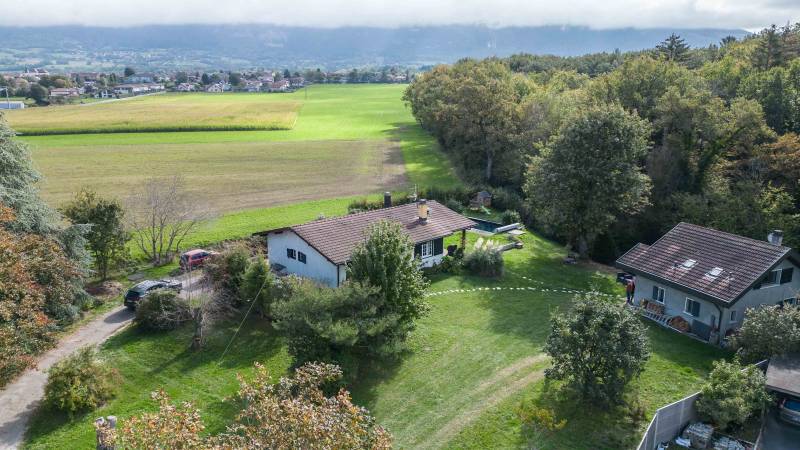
(240, 46)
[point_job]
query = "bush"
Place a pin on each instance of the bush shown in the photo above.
(257, 285)
(510, 216)
(732, 393)
(484, 262)
(162, 310)
(81, 381)
(768, 331)
(455, 205)
(225, 273)
(543, 418)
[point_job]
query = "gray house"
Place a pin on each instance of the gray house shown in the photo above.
(321, 249)
(702, 281)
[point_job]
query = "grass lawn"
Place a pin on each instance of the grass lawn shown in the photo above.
(471, 361)
(166, 112)
(347, 140)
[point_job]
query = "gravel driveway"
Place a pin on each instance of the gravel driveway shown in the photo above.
(20, 398)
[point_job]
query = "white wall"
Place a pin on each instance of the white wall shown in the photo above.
(766, 295)
(317, 267)
(675, 301)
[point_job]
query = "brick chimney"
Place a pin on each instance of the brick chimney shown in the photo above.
(422, 210)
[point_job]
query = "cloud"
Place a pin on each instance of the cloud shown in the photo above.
(749, 14)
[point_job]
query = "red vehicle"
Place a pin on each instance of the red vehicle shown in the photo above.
(195, 258)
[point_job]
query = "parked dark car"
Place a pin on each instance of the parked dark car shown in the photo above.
(195, 258)
(140, 290)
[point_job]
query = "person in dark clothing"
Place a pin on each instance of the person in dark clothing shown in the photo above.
(630, 290)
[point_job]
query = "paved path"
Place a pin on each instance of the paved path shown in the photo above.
(19, 399)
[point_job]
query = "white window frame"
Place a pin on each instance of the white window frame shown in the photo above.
(662, 294)
(426, 249)
(687, 310)
(778, 273)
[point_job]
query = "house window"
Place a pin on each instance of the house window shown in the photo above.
(426, 250)
(786, 302)
(692, 307)
(291, 253)
(776, 277)
(301, 257)
(658, 294)
(733, 315)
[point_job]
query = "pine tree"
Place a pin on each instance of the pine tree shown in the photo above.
(770, 51)
(674, 48)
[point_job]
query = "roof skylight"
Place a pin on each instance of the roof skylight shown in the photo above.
(688, 264)
(715, 272)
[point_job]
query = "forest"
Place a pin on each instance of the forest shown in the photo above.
(606, 150)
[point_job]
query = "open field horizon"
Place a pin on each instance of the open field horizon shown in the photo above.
(164, 112)
(346, 141)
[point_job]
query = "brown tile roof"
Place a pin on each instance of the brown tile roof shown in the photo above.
(336, 237)
(742, 261)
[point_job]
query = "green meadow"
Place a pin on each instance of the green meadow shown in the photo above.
(473, 359)
(344, 140)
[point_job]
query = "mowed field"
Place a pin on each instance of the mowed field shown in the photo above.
(163, 112)
(346, 140)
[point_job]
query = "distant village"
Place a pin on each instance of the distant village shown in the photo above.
(43, 88)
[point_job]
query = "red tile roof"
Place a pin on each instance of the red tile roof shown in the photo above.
(336, 237)
(742, 261)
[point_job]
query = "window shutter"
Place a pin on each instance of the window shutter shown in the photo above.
(786, 275)
(438, 246)
(655, 293)
(418, 251)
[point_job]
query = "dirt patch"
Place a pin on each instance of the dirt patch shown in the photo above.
(105, 289)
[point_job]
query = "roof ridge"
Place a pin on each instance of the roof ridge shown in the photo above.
(733, 236)
(356, 214)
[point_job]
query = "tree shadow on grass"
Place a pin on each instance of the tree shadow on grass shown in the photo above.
(602, 427)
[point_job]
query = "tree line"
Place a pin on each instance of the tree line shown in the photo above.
(603, 158)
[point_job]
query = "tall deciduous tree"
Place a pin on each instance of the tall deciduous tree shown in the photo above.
(107, 236)
(160, 214)
(589, 175)
(597, 348)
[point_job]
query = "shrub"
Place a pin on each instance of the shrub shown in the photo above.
(732, 394)
(454, 204)
(485, 262)
(257, 285)
(162, 310)
(295, 412)
(224, 272)
(532, 414)
(336, 324)
(81, 381)
(503, 198)
(768, 331)
(510, 216)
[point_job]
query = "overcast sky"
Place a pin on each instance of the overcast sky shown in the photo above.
(747, 14)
